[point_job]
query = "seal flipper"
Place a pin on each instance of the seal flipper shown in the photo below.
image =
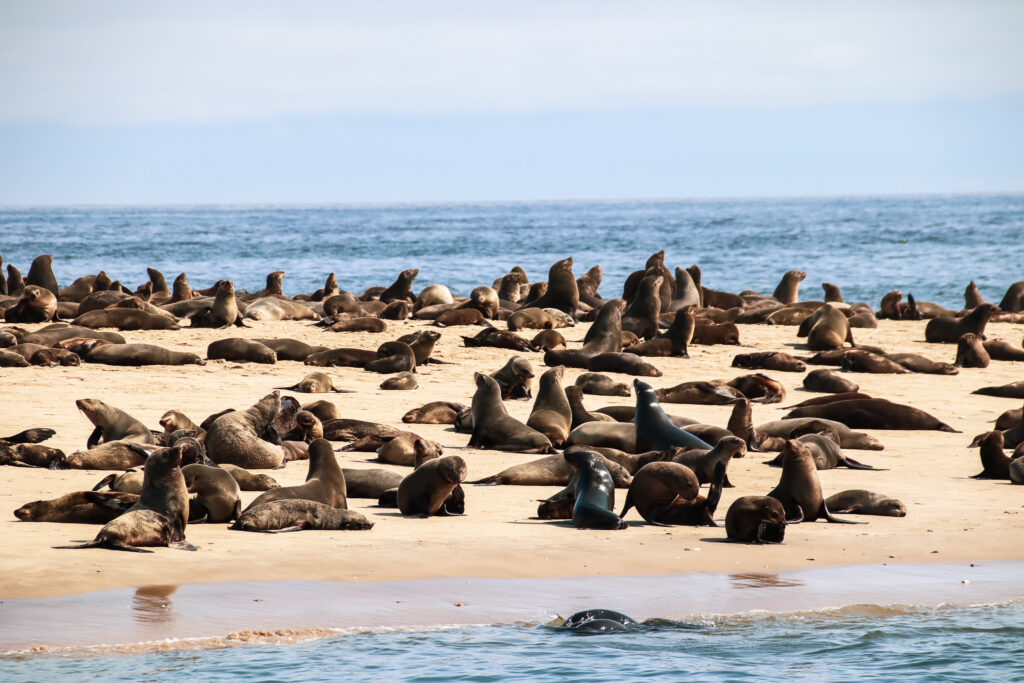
(823, 512)
(106, 481)
(715, 491)
(628, 504)
(180, 545)
(106, 502)
(94, 438)
(855, 465)
(197, 512)
(799, 514)
(110, 545)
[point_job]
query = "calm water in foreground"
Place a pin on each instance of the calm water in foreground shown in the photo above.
(984, 643)
(928, 246)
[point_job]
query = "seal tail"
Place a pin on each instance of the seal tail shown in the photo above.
(106, 481)
(109, 545)
(855, 465)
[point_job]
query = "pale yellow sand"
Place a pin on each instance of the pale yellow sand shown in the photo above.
(951, 517)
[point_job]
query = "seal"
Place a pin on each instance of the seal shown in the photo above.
(34, 435)
(241, 351)
(344, 358)
(392, 357)
(777, 432)
(598, 620)
(601, 385)
(396, 310)
(999, 349)
(78, 507)
(994, 462)
(799, 489)
(826, 453)
(756, 519)
(36, 305)
(552, 470)
(563, 293)
(31, 455)
(829, 329)
(427, 490)
(403, 381)
(946, 330)
(551, 414)
(217, 493)
(112, 424)
(315, 383)
(873, 413)
(501, 339)
(673, 342)
(657, 486)
(494, 428)
(515, 378)
(236, 438)
(709, 334)
(580, 414)
(224, 311)
(1013, 300)
(160, 515)
(1011, 390)
(788, 289)
(654, 431)
(705, 462)
(295, 515)
(641, 315)
(534, 319)
(434, 413)
(325, 482)
(704, 393)
(859, 360)
(917, 363)
(291, 349)
(971, 353)
(595, 492)
(605, 334)
(826, 381)
(343, 322)
(408, 452)
(140, 354)
(432, 295)
(250, 481)
(110, 455)
(758, 387)
(626, 363)
(126, 319)
(861, 502)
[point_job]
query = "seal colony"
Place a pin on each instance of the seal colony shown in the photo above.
(217, 377)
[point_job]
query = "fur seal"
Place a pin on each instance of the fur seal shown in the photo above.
(658, 485)
(36, 305)
(601, 385)
(826, 381)
(595, 493)
(873, 413)
(160, 515)
(346, 323)
(236, 438)
(756, 519)
(551, 414)
(829, 329)
(861, 502)
(826, 453)
(325, 482)
(721, 333)
(217, 492)
(705, 393)
(291, 349)
(860, 360)
(432, 295)
(580, 414)
(78, 507)
(515, 378)
(315, 383)
(999, 349)
(393, 357)
(126, 319)
(799, 489)
(704, 462)
(605, 335)
(141, 354)
(295, 514)
(112, 424)
(31, 455)
(673, 342)
(426, 491)
(778, 431)
(970, 353)
(946, 330)
(34, 435)
(224, 311)
(1011, 390)
(501, 339)
(494, 428)
(654, 431)
(788, 289)
(40, 274)
(241, 351)
(626, 363)
(250, 481)
(109, 455)
(563, 292)
(403, 381)
(641, 315)
(344, 357)
(994, 462)
(915, 362)
(758, 387)
(276, 308)
(401, 288)
(435, 412)
(552, 470)
(408, 452)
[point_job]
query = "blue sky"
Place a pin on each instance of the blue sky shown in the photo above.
(118, 102)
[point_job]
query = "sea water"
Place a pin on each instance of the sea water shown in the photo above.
(929, 246)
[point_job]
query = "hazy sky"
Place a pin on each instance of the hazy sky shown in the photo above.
(147, 102)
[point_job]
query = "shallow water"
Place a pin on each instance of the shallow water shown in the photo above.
(930, 246)
(981, 643)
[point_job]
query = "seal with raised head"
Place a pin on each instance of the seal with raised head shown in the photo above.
(641, 315)
(829, 329)
(427, 490)
(217, 493)
(654, 431)
(672, 342)
(224, 310)
(971, 353)
(551, 414)
(946, 330)
(112, 424)
(595, 492)
(756, 519)
(392, 357)
(994, 462)
(36, 305)
(160, 515)
(605, 334)
(799, 489)
(494, 428)
(325, 482)
(563, 293)
(703, 463)
(515, 378)
(236, 438)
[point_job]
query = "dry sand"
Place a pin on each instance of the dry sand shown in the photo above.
(950, 516)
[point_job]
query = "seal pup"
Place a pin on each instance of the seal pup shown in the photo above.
(861, 502)
(325, 482)
(236, 438)
(595, 493)
(971, 353)
(315, 383)
(217, 492)
(824, 380)
(654, 431)
(551, 414)
(656, 486)
(799, 489)
(515, 378)
(112, 424)
(494, 428)
(435, 412)
(426, 491)
(160, 515)
(32, 455)
(300, 515)
(601, 385)
(756, 519)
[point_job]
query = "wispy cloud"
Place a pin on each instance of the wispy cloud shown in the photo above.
(200, 62)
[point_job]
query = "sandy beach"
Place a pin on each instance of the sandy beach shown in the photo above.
(950, 517)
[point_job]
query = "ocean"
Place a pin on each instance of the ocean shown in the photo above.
(928, 246)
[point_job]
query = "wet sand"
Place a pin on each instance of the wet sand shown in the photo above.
(951, 518)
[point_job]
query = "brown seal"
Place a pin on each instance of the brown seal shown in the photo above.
(295, 514)
(250, 481)
(994, 462)
(426, 491)
(778, 431)
(580, 414)
(626, 363)
(759, 387)
(829, 329)
(500, 339)
(126, 319)
(705, 462)
(141, 354)
(999, 349)
(403, 381)
(396, 310)
(534, 319)
(551, 414)
(947, 330)
(160, 515)
(241, 351)
(756, 519)
(826, 381)
(970, 353)
(494, 428)
(700, 392)
(460, 316)
(641, 315)
(873, 413)
(174, 420)
(78, 507)
(422, 343)
(587, 284)
(36, 305)
(788, 289)
(277, 308)
(236, 438)
(861, 502)
(344, 358)
(605, 335)
(1011, 390)
(601, 385)
(224, 311)
(40, 273)
(392, 357)
(859, 360)
(112, 424)
(432, 295)
(595, 492)
(658, 485)
(673, 342)
(563, 293)
(515, 378)
(799, 489)
(551, 471)
(315, 383)
(548, 339)
(31, 455)
(408, 452)
(217, 492)
(435, 412)
(325, 482)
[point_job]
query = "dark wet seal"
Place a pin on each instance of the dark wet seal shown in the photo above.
(599, 621)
